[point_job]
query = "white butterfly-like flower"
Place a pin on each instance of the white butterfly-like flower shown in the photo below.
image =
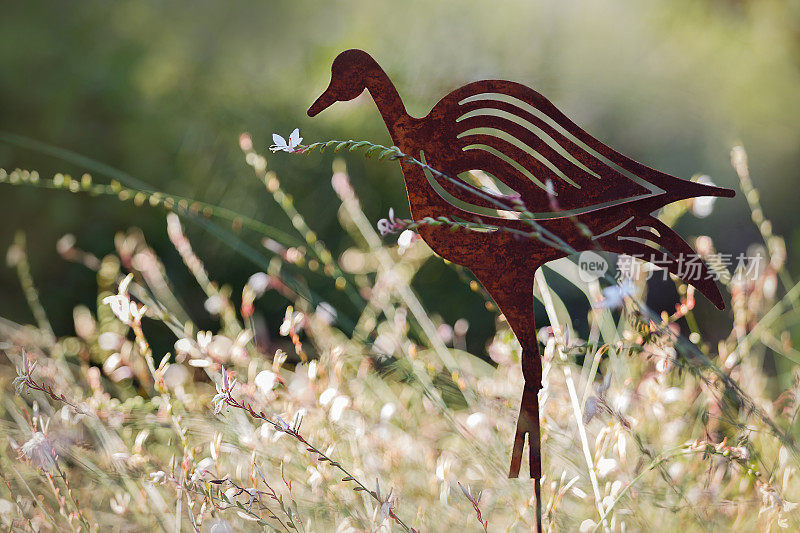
(282, 145)
(40, 452)
(121, 305)
(223, 393)
(24, 374)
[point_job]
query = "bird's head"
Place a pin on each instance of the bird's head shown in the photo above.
(349, 75)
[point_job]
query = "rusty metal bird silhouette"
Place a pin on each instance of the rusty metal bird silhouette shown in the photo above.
(558, 171)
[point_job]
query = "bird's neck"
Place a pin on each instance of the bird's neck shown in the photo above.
(403, 128)
(388, 101)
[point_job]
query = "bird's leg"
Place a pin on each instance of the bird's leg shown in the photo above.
(521, 319)
(528, 419)
(512, 291)
(523, 325)
(528, 424)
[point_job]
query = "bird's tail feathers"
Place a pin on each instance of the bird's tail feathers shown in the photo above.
(653, 241)
(683, 189)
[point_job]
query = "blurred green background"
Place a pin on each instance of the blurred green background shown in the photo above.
(163, 90)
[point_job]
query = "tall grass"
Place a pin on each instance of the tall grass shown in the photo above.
(372, 416)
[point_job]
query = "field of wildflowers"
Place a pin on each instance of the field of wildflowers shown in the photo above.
(381, 420)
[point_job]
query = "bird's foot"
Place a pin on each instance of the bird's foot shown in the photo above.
(527, 424)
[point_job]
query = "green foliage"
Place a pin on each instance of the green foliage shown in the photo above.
(636, 417)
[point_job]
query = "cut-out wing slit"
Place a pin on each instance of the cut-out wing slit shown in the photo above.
(494, 124)
(657, 241)
(532, 107)
(479, 108)
(571, 166)
(464, 192)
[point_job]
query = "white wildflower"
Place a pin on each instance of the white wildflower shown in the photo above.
(124, 309)
(120, 502)
(337, 408)
(665, 359)
(220, 348)
(24, 374)
(204, 339)
(238, 350)
(186, 346)
(445, 332)
(443, 465)
(292, 321)
(281, 423)
(671, 395)
(265, 380)
(605, 466)
(327, 396)
(386, 509)
(223, 393)
(39, 451)
(386, 503)
(741, 453)
(476, 420)
(213, 304)
(616, 487)
(112, 362)
(622, 401)
(387, 411)
(549, 188)
(202, 468)
(110, 341)
(259, 282)
(405, 240)
(326, 313)
(281, 145)
(137, 312)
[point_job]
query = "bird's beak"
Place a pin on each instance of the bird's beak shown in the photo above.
(322, 103)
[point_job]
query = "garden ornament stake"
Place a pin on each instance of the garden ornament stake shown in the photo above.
(583, 192)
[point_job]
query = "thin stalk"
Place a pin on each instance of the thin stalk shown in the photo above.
(544, 291)
(20, 259)
(294, 432)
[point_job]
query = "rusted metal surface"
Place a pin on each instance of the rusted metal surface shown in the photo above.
(518, 136)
